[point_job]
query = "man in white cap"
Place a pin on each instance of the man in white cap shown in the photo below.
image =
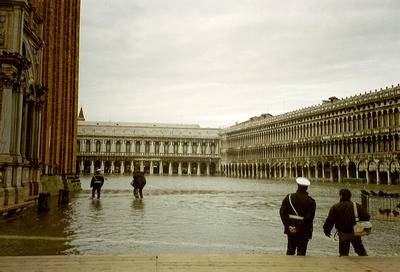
(96, 183)
(297, 214)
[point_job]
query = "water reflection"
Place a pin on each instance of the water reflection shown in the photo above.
(96, 204)
(181, 215)
(138, 204)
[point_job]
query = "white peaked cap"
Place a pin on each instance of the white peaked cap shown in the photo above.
(98, 170)
(303, 181)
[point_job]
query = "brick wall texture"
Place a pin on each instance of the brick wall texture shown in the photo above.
(60, 76)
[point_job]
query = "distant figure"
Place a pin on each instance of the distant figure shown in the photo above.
(96, 183)
(342, 216)
(138, 182)
(297, 214)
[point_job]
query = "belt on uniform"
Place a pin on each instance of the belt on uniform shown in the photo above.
(292, 216)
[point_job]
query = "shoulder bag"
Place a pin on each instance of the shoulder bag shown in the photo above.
(361, 228)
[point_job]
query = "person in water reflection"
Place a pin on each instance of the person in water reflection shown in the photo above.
(96, 183)
(138, 182)
(297, 215)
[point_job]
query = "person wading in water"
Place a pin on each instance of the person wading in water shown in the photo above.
(138, 182)
(96, 183)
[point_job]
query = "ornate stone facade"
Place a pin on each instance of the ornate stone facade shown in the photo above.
(21, 101)
(157, 149)
(354, 138)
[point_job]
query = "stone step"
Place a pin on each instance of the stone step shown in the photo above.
(196, 263)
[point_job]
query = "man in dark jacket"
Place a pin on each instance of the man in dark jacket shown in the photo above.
(297, 214)
(342, 216)
(138, 183)
(96, 183)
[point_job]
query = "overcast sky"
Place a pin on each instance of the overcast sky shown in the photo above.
(217, 62)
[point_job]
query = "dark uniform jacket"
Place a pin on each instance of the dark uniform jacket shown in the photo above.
(97, 181)
(342, 216)
(305, 207)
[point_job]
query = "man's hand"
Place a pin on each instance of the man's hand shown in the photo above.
(292, 229)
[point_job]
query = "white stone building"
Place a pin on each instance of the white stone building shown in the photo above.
(156, 149)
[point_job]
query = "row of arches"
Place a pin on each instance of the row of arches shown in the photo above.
(149, 167)
(367, 171)
(312, 148)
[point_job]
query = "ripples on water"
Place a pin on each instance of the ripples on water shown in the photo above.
(180, 215)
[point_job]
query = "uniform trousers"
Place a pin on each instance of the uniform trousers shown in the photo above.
(296, 241)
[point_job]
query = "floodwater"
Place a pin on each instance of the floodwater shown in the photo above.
(181, 215)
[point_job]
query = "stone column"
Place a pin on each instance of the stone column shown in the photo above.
(82, 167)
(348, 170)
(170, 169)
(323, 171)
(208, 151)
(378, 178)
(103, 146)
(152, 147)
(180, 148)
(91, 167)
(208, 169)
(113, 146)
(190, 148)
(180, 169)
(171, 148)
(142, 147)
(123, 146)
(102, 166)
(112, 167)
(160, 168)
(5, 120)
(198, 169)
(122, 169)
(331, 177)
(151, 168)
(198, 148)
(92, 146)
(316, 171)
(17, 132)
(388, 177)
(133, 147)
(132, 167)
(339, 175)
(357, 173)
(161, 148)
(189, 169)
(141, 166)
